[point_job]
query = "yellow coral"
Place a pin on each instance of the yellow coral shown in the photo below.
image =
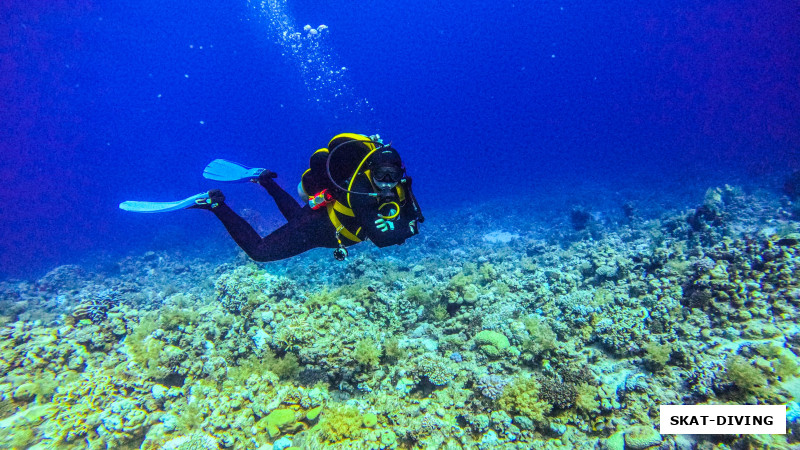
(99, 402)
(277, 420)
(743, 374)
(367, 353)
(641, 437)
(522, 396)
(340, 423)
(587, 398)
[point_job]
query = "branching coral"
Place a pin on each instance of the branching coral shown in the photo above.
(436, 369)
(657, 355)
(193, 441)
(541, 337)
(491, 386)
(367, 353)
(241, 290)
(96, 308)
(392, 350)
(340, 422)
(742, 373)
(586, 400)
(523, 396)
(96, 407)
(557, 393)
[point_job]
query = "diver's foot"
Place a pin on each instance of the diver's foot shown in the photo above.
(211, 200)
(266, 175)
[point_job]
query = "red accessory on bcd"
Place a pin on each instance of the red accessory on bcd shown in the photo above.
(320, 200)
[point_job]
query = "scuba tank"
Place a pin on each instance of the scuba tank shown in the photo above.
(330, 178)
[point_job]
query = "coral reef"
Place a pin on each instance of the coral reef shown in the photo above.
(502, 334)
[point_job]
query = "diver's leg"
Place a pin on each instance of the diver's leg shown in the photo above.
(308, 230)
(242, 232)
(286, 204)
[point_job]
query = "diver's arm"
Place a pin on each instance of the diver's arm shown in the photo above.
(418, 217)
(381, 231)
(384, 233)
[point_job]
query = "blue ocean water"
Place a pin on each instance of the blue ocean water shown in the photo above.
(533, 103)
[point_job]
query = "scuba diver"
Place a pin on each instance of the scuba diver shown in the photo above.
(355, 189)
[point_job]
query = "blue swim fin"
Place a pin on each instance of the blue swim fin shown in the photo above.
(157, 207)
(224, 170)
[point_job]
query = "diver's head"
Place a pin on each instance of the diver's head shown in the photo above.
(386, 168)
(387, 177)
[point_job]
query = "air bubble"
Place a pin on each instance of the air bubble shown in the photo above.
(315, 60)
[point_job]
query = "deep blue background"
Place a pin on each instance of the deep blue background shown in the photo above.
(482, 98)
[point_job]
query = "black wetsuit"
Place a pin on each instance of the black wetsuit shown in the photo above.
(307, 228)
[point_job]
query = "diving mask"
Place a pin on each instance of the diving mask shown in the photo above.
(386, 177)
